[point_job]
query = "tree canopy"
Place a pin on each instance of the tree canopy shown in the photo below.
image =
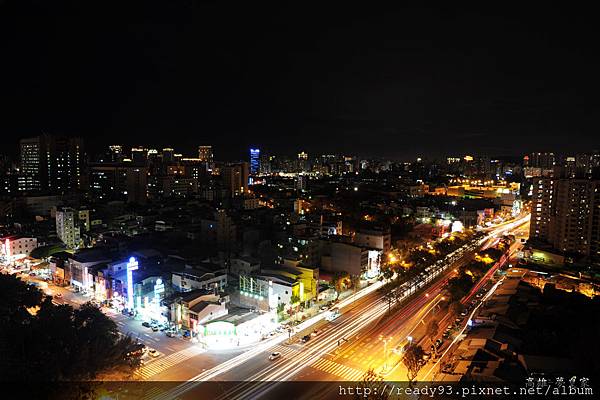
(44, 342)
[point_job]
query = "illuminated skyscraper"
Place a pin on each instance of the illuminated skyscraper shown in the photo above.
(205, 155)
(303, 165)
(52, 163)
(254, 161)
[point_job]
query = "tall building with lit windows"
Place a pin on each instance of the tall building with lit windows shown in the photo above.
(303, 164)
(32, 165)
(566, 214)
(541, 208)
(68, 227)
(205, 155)
(235, 179)
(254, 161)
(51, 163)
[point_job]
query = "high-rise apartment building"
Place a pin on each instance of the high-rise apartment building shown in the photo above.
(566, 214)
(303, 164)
(137, 185)
(119, 181)
(205, 155)
(139, 155)
(539, 160)
(67, 227)
(51, 163)
(541, 208)
(235, 178)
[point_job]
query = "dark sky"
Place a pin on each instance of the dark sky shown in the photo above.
(372, 81)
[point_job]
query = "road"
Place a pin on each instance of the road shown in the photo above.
(343, 350)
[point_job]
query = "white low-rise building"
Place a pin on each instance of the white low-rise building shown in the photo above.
(17, 246)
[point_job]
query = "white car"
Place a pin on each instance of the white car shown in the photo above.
(275, 356)
(153, 352)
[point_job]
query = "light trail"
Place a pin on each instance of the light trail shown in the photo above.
(354, 324)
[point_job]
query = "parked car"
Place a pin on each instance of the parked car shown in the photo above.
(275, 356)
(146, 324)
(305, 338)
(170, 334)
(155, 328)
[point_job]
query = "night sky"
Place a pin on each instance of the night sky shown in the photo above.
(375, 82)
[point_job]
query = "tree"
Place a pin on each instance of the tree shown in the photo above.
(355, 282)
(53, 343)
(295, 301)
(412, 360)
(337, 281)
(389, 297)
(386, 273)
(374, 382)
(431, 332)
(455, 308)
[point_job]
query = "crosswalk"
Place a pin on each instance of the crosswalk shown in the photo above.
(340, 370)
(162, 364)
(153, 393)
(322, 364)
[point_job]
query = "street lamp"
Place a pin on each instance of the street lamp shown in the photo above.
(385, 341)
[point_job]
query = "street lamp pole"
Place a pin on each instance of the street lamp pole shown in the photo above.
(385, 352)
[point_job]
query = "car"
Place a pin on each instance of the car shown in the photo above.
(305, 338)
(323, 308)
(153, 352)
(274, 356)
(170, 333)
(463, 314)
(146, 324)
(155, 328)
(59, 295)
(314, 333)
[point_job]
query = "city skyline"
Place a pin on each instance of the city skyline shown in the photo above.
(256, 201)
(220, 154)
(417, 80)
